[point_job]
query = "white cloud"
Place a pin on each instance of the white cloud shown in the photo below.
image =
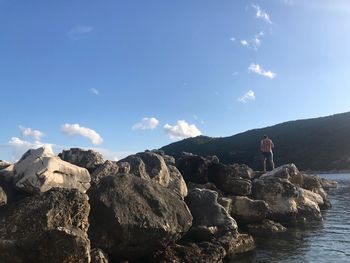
(78, 32)
(249, 96)
(232, 39)
(261, 14)
(76, 129)
(146, 124)
(94, 91)
(181, 130)
(111, 154)
(244, 42)
(28, 132)
(256, 68)
(254, 43)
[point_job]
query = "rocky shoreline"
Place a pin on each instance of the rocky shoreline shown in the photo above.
(148, 207)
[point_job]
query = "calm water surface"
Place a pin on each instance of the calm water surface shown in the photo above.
(326, 241)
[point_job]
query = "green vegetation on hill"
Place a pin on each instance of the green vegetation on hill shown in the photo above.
(320, 144)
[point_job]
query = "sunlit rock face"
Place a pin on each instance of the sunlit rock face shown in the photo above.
(40, 170)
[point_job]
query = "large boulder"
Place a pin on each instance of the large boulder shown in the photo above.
(328, 184)
(149, 165)
(210, 219)
(131, 217)
(228, 178)
(48, 227)
(281, 196)
(245, 210)
(88, 159)
(40, 170)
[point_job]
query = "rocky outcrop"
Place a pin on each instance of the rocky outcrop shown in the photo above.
(176, 182)
(40, 170)
(148, 165)
(3, 197)
(266, 228)
(131, 217)
(201, 252)
(194, 168)
(105, 169)
(210, 219)
(4, 164)
(245, 210)
(280, 195)
(328, 184)
(227, 178)
(88, 159)
(99, 256)
(48, 227)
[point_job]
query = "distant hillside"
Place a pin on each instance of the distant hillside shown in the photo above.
(320, 144)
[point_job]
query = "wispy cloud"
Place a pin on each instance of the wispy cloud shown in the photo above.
(28, 132)
(254, 42)
(232, 39)
(76, 129)
(79, 32)
(94, 91)
(257, 69)
(288, 2)
(261, 14)
(146, 124)
(249, 96)
(181, 130)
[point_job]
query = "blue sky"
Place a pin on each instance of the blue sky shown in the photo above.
(125, 76)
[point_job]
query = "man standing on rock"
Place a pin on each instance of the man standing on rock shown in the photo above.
(266, 146)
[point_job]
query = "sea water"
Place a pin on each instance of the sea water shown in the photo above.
(326, 241)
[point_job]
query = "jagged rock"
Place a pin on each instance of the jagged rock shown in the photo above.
(280, 195)
(328, 184)
(227, 179)
(105, 169)
(132, 217)
(40, 170)
(226, 203)
(194, 168)
(4, 164)
(245, 210)
(99, 256)
(176, 182)
(149, 165)
(286, 171)
(267, 227)
(308, 208)
(243, 171)
(207, 212)
(8, 173)
(88, 159)
(237, 244)
(314, 184)
(202, 252)
(169, 160)
(3, 197)
(124, 167)
(48, 227)
(6, 183)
